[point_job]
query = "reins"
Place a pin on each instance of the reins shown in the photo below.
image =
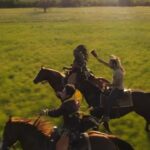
(36, 120)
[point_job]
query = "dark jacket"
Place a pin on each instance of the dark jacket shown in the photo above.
(79, 63)
(69, 110)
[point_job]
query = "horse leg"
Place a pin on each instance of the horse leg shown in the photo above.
(106, 126)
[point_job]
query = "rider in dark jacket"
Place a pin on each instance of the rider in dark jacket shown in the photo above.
(79, 64)
(69, 110)
(79, 71)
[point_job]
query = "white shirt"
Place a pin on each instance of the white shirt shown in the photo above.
(117, 81)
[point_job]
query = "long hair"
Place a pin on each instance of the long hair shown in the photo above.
(81, 49)
(116, 60)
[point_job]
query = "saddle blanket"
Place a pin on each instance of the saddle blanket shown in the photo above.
(124, 101)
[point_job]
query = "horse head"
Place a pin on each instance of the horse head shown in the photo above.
(53, 77)
(23, 130)
(9, 136)
(41, 76)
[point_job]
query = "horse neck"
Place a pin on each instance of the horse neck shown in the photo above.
(90, 93)
(29, 136)
(55, 80)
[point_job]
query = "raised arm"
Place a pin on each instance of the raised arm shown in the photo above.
(99, 59)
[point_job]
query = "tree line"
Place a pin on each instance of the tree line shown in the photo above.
(71, 3)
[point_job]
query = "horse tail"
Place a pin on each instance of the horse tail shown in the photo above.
(123, 145)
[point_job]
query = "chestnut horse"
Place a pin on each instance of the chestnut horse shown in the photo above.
(141, 100)
(35, 135)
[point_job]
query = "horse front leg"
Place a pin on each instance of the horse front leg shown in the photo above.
(106, 126)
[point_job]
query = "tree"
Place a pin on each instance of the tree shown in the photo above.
(70, 3)
(44, 4)
(125, 2)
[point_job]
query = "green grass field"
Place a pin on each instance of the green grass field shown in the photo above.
(30, 38)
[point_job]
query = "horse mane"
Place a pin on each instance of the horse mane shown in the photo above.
(101, 134)
(49, 69)
(43, 126)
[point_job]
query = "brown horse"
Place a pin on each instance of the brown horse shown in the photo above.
(141, 100)
(35, 135)
(57, 81)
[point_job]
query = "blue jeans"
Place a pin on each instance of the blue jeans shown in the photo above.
(114, 95)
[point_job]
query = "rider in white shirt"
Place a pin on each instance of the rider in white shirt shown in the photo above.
(117, 82)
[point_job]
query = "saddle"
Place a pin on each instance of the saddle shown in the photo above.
(82, 141)
(124, 101)
(77, 139)
(98, 82)
(88, 122)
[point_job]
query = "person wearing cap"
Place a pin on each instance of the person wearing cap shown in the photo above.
(116, 86)
(69, 110)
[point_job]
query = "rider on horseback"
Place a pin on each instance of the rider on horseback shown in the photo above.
(79, 69)
(69, 110)
(117, 82)
(79, 64)
(74, 123)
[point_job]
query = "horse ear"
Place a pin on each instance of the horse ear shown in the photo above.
(42, 67)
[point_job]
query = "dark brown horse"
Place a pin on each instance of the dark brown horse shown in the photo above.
(57, 81)
(35, 135)
(141, 100)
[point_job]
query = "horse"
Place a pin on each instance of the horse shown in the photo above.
(57, 81)
(36, 134)
(141, 100)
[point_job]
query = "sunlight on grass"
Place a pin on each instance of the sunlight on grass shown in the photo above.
(30, 38)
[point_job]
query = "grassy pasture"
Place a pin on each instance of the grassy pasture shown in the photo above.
(30, 38)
